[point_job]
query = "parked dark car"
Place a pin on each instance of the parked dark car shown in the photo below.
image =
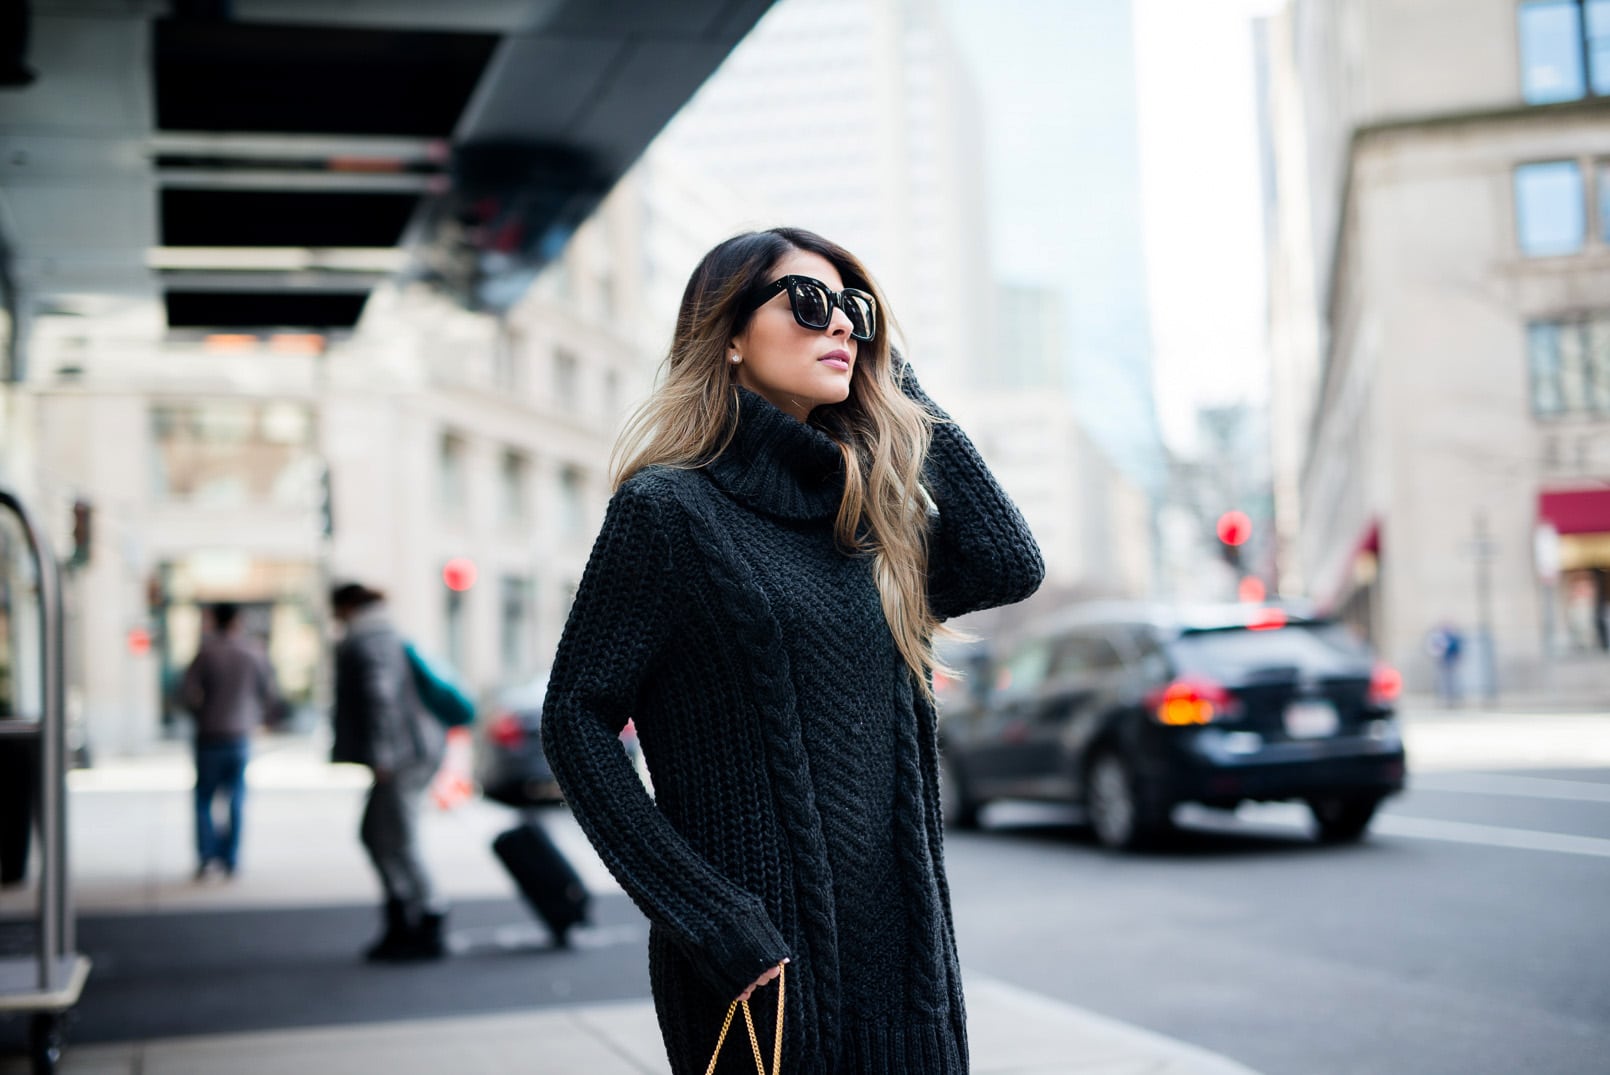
(1130, 711)
(510, 766)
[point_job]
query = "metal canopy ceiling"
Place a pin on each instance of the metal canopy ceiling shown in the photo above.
(264, 164)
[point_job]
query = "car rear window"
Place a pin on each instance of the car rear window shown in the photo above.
(1235, 653)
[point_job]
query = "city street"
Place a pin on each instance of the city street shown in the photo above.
(1467, 935)
(378, 367)
(1463, 937)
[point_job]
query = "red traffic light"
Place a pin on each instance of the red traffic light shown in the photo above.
(139, 641)
(1235, 528)
(459, 573)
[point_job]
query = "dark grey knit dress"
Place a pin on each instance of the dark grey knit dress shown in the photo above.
(794, 759)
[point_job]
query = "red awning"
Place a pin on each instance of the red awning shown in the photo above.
(1581, 511)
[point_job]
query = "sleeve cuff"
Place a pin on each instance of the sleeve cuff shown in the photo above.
(748, 947)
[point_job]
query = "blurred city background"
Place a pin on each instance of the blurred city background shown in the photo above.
(1291, 303)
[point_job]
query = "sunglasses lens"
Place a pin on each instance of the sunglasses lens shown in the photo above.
(812, 307)
(862, 312)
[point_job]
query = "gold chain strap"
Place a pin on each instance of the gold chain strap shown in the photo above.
(754, 1040)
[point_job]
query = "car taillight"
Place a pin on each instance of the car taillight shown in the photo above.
(1190, 701)
(1386, 683)
(1268, 619)
(505, 730)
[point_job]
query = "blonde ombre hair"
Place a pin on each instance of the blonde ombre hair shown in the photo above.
(882, 434)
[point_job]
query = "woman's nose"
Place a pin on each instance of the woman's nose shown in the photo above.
(839, 325)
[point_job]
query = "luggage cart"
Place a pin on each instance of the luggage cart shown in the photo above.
(47, 984)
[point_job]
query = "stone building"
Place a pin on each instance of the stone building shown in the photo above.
(1440, 320)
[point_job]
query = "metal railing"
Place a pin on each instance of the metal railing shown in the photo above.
(55, 983)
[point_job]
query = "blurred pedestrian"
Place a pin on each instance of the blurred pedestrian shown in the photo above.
(230, 688)
(381, 723)
(761, 602)
(1445, 645)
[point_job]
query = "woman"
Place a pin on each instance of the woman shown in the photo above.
(761, 601)
(380, 723)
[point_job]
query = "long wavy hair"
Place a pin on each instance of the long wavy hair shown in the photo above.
(883, 436)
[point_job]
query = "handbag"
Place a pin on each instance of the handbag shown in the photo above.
(754, 1042)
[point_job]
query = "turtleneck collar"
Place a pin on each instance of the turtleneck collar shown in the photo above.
(778, 464)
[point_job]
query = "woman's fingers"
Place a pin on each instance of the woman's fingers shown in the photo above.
(770, 973)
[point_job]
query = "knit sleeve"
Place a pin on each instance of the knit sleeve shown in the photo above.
(622, 616)
(980, 551)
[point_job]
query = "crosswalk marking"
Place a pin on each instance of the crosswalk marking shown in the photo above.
(1529, 787)
(1465, 832)
(1291, 815)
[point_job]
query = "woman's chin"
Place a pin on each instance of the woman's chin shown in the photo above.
(834, 388)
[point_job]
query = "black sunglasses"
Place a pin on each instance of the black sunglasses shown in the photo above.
(812, 302)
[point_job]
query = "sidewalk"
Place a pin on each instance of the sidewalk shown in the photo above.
(1012, 1033)
(130, 822)
(1505, 738)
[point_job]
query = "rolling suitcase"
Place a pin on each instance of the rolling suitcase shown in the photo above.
(545, 878)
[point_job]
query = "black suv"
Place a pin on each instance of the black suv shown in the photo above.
(1129, 711)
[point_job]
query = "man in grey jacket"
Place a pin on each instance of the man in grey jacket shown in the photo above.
(381, 723)
(230, 688)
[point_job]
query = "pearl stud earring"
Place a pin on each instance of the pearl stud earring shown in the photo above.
(736, 359)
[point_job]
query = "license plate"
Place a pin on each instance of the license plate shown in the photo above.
(1311, 720)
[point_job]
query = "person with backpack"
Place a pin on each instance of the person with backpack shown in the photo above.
(381, 722)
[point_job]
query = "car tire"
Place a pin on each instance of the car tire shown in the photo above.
(957, 807)
(1118, 814)
(1339, 819)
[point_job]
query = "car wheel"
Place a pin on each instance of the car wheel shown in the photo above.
(1120, 817)
(956, 805)
(1341, 820)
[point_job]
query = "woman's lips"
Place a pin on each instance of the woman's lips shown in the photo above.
(839, 360)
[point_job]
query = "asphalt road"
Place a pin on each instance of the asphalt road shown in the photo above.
(1468, 935)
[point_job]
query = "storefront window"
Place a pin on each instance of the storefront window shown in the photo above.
(279, 606)
(1577, 610)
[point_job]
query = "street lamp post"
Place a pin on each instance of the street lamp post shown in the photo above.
(1484, 550)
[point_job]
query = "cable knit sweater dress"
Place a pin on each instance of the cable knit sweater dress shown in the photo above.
(794, 757)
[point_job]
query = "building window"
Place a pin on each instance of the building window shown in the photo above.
(227, 454)
(508, 352)
(1570, 367)
(566, 378)
(1604, 202)
(516, 481)
(515, 634)
(572, 509)
(454, 618)
(450, 473)
(1597, 20)
(1565, 49)
(1550, 208)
